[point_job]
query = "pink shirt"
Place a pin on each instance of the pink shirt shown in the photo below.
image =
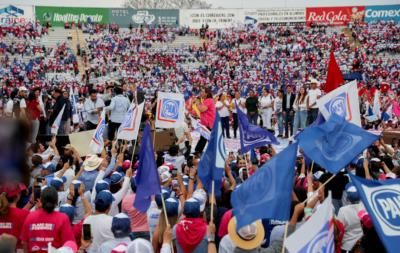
(138, 219)
(207, 117)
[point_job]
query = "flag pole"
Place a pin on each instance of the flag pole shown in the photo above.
(284, 236)
(212, 201)
(319, 188)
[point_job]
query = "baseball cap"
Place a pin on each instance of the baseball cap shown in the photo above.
(162, 168)
(67, 209)
(121, 225)
(49, 166)
(102, 185)
(191, 209)
(68, 247)
(165, 176)
(165, 193)
(12, 189)
(126, 164)
(140, 245)
(172, 206)
(57, 182)
(104, 198)
(116, 177)
(22, 88)
(352, 193)
(201, 196)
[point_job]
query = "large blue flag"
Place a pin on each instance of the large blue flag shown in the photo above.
(382, 201)
(335, 143)
(252, 136)
(267, 193)
(147, 179)
(212, 162)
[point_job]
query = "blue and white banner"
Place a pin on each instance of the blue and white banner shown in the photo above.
(382, 201)
(342, 101)
(56, 124)
(201, 129)
(97, 143)
(170, 110)
(316, 235)
(129, 129)
(382, 12)
(20, 14)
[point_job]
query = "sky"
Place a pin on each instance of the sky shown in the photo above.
(215, 3)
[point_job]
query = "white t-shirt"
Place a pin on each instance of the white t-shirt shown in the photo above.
(100, 226)
(266, 101)
(313, 97)
(224, 112)
(352, 226)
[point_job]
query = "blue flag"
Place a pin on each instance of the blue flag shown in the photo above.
(212, 162)
(147, 179)
(382, 201)
(252, 136)
(334, 144)
(267, 194)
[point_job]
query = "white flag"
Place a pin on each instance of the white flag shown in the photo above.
(129, 129)
(56, 124)
(342, 101)
(316, 234)
(170, 110)
(198, 127)
(97, 143)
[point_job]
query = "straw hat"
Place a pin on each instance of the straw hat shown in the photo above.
(92, 162)
(248, 237)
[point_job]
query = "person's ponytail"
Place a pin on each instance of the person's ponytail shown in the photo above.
(4, 204)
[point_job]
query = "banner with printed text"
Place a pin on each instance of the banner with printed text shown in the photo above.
(126, 17)
(383, 12)
(58, 16)
(278, 15)
(215, 19)
(19, 14)
(334, 16)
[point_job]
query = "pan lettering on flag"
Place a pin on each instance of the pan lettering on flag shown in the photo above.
(386, 205)
(340, 105)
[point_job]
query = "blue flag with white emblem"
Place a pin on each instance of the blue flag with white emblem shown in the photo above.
(212, 162)
(267, 193)
(252, 136)
(382, 201)
(335, 143)
(316, 234)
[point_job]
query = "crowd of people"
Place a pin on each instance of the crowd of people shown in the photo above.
(65, 202)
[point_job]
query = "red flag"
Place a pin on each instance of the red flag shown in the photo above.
(334, 77)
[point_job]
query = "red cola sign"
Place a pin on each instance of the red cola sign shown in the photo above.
(337, 16)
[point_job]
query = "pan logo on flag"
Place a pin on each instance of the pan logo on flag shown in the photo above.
(386, 205)
(340, 105)
(337, 146)
(169, 110)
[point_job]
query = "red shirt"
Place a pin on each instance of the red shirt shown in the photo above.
(41, 228)
(12, 223)
(33, 109)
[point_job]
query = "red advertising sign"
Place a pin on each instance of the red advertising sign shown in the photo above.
(336, 16)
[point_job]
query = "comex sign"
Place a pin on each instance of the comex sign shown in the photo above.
(385, 203)
(376, 13)
(11, 14)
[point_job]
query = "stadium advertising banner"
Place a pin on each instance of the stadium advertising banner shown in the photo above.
(282, 15)
(57, 16)
(336, 16)
(126, 17)
(218, 18)
(383, 12)
(10, 14)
